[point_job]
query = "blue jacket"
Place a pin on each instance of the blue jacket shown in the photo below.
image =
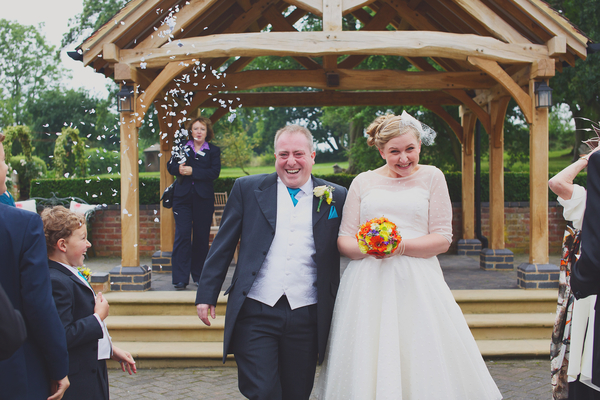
(25, 277)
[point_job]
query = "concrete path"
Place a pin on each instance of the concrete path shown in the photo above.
(517, 379)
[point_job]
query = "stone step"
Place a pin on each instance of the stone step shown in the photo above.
(470, 301)
(178, 328)
(164, 328)
(209, 354)
(157, 303)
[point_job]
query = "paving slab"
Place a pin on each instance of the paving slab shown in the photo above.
(517, 379)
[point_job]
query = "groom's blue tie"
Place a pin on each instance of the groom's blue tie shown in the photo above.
(293, 193)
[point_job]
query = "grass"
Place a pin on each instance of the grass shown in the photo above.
(318, 169)
(557, 161)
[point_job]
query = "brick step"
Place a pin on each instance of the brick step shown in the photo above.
(209, 354)
(511, 326)
(470, 301)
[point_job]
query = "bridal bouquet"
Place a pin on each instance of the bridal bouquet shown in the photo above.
(378, 237)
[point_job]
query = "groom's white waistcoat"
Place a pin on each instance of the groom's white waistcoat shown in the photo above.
(289, 268)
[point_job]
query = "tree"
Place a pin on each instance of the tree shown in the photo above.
(237, 149)
(69, 154)
(95, 14)
(579, 86)
(27, 65)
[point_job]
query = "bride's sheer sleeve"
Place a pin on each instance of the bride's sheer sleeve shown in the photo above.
(440, 207)
(351, 215)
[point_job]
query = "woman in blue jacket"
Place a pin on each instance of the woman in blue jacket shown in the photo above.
(196, 168)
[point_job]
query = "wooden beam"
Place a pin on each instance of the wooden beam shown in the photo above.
(542, 69)
(167, 220)
(557, 46)
(352, 5)
(171, 71)
(325, 98)
(496, 173)
(481, 114)
(421, 64)
(130, 202)
(499, 28)
(332, 15)
(112, 30)
(468, 176)
(521, 77)
(494, 70)
(219, 112)
(243, 22)
(313, 6)
(399, 43)
(413, 17)
(538, 183)
(382, 19)
(110, 53)
(185, 17)
(127, 73)
(454, 125)
(550, 20)
(350, 79)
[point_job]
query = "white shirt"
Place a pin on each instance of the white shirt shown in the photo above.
(289, 268)
(105, 343)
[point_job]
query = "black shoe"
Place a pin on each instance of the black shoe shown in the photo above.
(180, 286)
(196, 283)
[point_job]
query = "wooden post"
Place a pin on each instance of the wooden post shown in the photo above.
(468, 176)
(538, 183)
(130, 204)
(167, 221)
(497, 113)
(332, 15)
(468, 245)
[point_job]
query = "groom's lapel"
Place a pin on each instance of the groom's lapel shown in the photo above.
(316, 216)
(266, 196)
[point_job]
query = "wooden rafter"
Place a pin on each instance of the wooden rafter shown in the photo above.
(521, 77)
(454, 124)
(327, 98)
(481, 114)
(411, 44)
(496, 26)
(493, 69)
(314, 6)
(350, 79)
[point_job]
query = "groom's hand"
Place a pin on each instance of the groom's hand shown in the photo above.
(202, 310)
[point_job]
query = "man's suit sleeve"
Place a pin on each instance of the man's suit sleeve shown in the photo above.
(222, 249)
(585, 276)
(12, 327)
(38, 309)
(80, 331)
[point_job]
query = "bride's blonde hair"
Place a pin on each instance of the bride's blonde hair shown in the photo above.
(386, 127)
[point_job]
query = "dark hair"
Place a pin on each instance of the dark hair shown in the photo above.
(210, 134)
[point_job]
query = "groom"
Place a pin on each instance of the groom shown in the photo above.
(283, 290)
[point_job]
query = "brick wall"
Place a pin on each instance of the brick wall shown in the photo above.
(106, 228)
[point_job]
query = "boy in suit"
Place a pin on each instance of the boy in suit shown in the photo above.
(80, 309)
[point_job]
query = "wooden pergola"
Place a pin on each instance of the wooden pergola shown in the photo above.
(477, 54)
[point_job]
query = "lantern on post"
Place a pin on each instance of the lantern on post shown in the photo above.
(125, 99)
(543, 95)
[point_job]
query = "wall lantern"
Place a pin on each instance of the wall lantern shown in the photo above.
(543, 95)
(125, 99)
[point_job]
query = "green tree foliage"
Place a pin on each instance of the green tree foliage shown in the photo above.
(95, 14)
(69, 154)
(25, 166)
(56, 109)
(236, 149)
(28, 65)
(579, 87)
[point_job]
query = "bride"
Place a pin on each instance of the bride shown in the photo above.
(397, 332)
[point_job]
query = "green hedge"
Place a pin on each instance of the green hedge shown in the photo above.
(106, 190)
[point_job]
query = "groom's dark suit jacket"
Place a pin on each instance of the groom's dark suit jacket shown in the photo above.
(25, 278)
(585, 276)
(250, 216)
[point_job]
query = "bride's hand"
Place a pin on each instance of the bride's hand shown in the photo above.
(398, 251)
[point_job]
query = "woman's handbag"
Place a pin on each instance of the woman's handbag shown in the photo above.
(167, 196)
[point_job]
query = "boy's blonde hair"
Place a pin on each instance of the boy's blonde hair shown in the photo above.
(60, 223)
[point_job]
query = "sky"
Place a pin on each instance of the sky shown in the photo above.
(55, 14)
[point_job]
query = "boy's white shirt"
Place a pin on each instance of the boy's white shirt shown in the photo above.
(105, 343)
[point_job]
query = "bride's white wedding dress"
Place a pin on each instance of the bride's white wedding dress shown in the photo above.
(397, 332)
